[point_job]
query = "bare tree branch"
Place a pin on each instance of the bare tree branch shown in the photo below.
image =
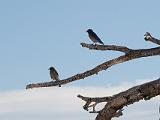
(149, 37)
(133, 54)
(114, 104)
(107, 47)
(95, 100)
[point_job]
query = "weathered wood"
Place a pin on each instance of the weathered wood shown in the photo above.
(132, 54)
(106, 47)
(114, 104)
(145, 91)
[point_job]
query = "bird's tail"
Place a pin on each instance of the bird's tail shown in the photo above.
(100, 42)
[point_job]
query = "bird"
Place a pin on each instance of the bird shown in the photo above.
(54, 74)
(93, 36)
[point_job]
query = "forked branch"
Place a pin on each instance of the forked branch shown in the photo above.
(114, 104)
(95, 101)
(130, 54)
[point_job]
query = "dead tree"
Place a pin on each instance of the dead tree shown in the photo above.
(114, 104)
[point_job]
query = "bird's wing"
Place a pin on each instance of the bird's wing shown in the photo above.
(56, 76)
(51, 74)
(97, 38)
(56, 72)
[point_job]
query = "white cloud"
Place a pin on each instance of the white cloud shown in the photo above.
(62, 104)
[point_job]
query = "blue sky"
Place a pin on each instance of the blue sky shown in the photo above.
(37, 34)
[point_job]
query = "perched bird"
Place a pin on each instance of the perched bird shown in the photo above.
(54, 74)
(94, 37)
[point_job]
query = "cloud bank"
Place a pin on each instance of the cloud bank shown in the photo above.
(62, 104)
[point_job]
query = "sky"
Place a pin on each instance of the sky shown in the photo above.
(37, 34)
